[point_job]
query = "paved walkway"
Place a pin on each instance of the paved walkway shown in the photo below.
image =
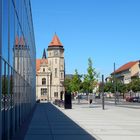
(113, 123)
(82, 122)
(49, 123)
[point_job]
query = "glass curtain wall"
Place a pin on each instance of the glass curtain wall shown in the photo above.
(17, 65)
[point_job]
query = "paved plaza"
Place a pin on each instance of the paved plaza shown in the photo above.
(113, 123)
(49, 123)
(82, 122)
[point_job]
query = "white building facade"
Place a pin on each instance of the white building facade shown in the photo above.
(127, 72)
(50, 72)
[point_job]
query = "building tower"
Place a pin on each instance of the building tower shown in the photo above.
(21, 58)
(56, 67)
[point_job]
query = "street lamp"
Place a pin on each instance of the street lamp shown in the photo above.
(103, 92)
(114, 81)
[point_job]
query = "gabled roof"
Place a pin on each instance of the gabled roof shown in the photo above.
(39, 62)
(126, 66)
(55, 42)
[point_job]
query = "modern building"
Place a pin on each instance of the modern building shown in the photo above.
(50, 72)
(127, 72)
(17, 65)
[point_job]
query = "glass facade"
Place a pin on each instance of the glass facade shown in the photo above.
(17, 65)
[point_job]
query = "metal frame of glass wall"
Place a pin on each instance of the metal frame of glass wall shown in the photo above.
(17, 65)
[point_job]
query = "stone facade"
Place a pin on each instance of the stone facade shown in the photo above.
(50, 72)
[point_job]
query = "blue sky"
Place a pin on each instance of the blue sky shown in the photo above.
(108, 31)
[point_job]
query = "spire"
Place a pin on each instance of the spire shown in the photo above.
(44, 55)
(22, 41)
(19, 41)
(55, 41)
(16, 41)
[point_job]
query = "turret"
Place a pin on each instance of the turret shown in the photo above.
(56, 66)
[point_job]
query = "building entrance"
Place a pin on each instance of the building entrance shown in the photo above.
(43, 94)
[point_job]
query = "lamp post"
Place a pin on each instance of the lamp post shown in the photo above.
(103, 92)
(114, 81)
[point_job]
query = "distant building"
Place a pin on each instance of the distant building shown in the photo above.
(127, 72)
(69, 76)
(50, 72)
(21, 59)
(108, 79)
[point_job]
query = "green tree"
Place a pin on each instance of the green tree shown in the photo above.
(90, 79)
(135, 85)
(121, 87)
(67, 84)
(85, 84)
(109, 87)
(75, 83)
(4, 85)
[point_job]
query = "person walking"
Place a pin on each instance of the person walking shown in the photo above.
(90, 98)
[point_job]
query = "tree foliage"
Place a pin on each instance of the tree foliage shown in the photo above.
(121, 87)
(134, 85)
(109, 87)
(75, 82)
(90, 79)
(82, 83)
(67, 84)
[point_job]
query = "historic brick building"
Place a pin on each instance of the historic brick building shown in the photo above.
(50, 72)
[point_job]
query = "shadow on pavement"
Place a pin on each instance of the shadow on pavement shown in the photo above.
(49, 123)
(24, 127)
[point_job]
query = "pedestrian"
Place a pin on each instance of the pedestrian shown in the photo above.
(90, 98)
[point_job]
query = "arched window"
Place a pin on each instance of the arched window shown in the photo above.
(61, 75)
(55, 72)
(43, 81)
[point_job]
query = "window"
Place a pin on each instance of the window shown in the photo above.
(55, 61)
(61, 75)
(49, 62)
(43, 69)
(55, 94)
(43, 91)
(55, 72)
(61, 67)
(43, 81)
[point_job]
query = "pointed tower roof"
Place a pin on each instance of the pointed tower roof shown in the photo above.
(44, 54)
(19, 41)
(22, 43)
(16, 41)
(55, 42)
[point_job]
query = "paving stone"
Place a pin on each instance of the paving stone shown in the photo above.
(38, 137)
(70, 132)
(73, 137)
(38, 132)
